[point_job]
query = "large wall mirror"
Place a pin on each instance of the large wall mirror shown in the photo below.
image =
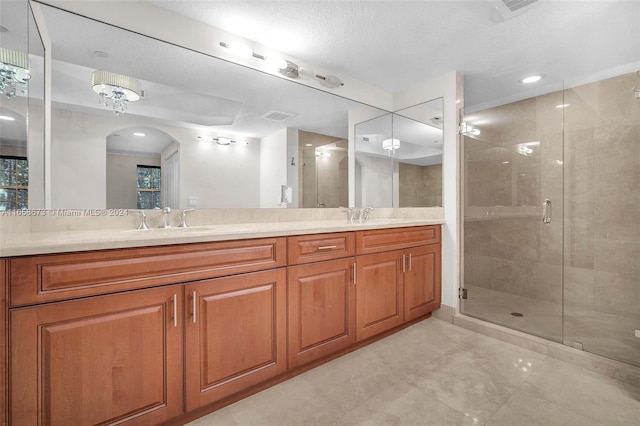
(399, 157)
(21, 109)
(204, 133)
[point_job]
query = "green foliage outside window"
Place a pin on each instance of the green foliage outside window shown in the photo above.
(148, 184)
(14, 183)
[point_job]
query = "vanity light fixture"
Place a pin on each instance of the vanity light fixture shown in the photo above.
(115, 91)
(283, 66)
(279, 64)
(14, 72)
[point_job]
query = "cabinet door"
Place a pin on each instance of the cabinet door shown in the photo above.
(100, 360)
(235, 334)
(421, 281)
(321, 309)
(379, 293)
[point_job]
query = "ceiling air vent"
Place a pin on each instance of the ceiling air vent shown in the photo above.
(507, 9)
(279, 116)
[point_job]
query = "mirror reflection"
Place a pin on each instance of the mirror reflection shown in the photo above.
(21, 102)
(399, 157)
(222, 135)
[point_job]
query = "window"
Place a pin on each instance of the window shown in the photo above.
(148, 184)
(14, 183)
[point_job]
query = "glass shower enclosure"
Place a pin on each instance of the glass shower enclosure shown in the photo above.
(551, 216)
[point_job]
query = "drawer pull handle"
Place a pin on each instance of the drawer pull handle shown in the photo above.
(403, 264)
(175, 310)
(409, 262)
(194, 305)
(327, 247)
(354, 274)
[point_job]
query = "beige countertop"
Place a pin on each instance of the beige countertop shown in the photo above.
(61, 241)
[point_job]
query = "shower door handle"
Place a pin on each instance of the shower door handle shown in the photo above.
(546, 212)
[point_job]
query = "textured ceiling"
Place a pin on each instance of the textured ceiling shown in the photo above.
(397, 44)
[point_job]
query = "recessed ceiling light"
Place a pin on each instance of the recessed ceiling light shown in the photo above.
(531, 79)
(308, 144)
(138, 134)
(7, 118)
(562, 106)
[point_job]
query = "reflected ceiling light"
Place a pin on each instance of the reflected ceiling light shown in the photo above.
(391, 144)
(115, 90)
(221, 140)
(562, 106)
(7, 118)
(139, 134)
(466, 129)
(14, 72)
(531, 79)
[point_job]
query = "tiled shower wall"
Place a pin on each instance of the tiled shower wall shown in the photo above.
(602, 228)
(591, 173)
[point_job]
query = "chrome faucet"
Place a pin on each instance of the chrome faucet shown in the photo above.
(164, 220)
(143, 220)
(183, 218)
(364, 214)
(352, 212)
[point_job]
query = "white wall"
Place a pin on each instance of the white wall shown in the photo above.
(122, 192)
(273, 168)
(219, 176)
(78, 161)
(449, 86)
(374, 185)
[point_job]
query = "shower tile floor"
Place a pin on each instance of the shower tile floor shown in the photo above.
(435, 373)
(606, 335)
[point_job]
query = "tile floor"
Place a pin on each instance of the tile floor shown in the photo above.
(435, 373)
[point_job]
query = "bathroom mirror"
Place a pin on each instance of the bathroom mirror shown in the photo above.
(222, 134)
(21, 109)
(399, 157)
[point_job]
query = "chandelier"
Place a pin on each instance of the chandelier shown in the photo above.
(14, 71)
(391, 145)
(115, 91)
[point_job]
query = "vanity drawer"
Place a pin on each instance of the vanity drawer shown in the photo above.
(380, 240)
(318, 247)
(37, 279)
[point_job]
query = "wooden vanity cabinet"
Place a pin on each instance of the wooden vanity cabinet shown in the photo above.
(398, 277)
(320, 296)
(99, 360)
(150, 335)
(235, 334)
(422, 280)
(3, 342)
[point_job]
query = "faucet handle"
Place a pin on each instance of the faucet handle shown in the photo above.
(352, 212)
(166, 210)
(364, 214)
(143, 220)
(183, 218)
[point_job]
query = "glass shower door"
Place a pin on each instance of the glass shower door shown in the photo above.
(513, 215)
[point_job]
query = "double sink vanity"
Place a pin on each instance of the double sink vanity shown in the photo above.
(162, 326)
